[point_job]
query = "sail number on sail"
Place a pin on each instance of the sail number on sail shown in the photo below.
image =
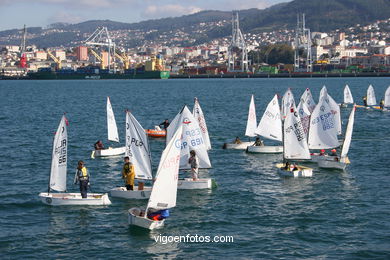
(326, 120)
(61, 152)
(298, 130)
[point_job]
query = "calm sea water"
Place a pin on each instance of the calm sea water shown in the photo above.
(332, 215)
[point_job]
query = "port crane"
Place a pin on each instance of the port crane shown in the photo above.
(55, 59)
(237, 52)
(23, 58)
(124, 58)
(101, 38)
(302, 41)
(101, 59)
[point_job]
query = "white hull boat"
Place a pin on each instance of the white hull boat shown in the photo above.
(109, 152)
(190, 184)
(61, 199)
(264, 149)
(333, 164)
(316, 157)
(301, 172)
(122, 192)
(241, 146)
(136, 219)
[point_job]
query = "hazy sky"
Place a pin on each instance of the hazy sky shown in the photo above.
(15, 13)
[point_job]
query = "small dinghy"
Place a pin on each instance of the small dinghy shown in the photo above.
(295, 146)
(251, 126)
(164, 191)
(137, 149)
(270, 127)
(112, 133)
(192, 139)
(342, 161)
(57, 179)
(199, 116)
(157, 132)
(348, 99)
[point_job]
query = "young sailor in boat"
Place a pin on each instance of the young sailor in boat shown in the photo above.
(322, 152)
(258, 142)
(295, 167)
(287, 166)
(237, 140)
(333, 152)
(165, 124)
(382, 104)
(128, 173)
(82, 176)
(193, 161)
(158, 215)
(365, 101)
(99, 145)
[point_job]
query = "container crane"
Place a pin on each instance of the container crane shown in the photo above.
(55, 59)
(125, 60)
(101, 59)
(101, 38)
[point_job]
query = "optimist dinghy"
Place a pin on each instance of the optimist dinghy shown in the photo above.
(348, 99)
(192, 139)
(57, 178)
(164, 190)
(270, 127)
(251, 126)
(157, 132)
(137, 148)
(112, 133)
(342, 161)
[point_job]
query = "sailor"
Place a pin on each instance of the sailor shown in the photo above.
(322, 152)
(237, 140)
(165, 124)
(295, 167)
(382, 104)
(365, 101)
(128, 173)
(287, 166)
(193, 161)
(158, 215)
(258, 142)
(82, 176)
(99, 145)
(333, 152)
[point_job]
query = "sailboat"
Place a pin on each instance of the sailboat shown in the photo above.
(164, 191)
(270, 127)
(305, 108)
(323, 127)
(199, 116)
(287, 102)
(294, 145)
(335, 108)
(251, 126)
(57, 177)
(387, 100)
(348, 99)
(342, 161)
(371, 99)
(112, 133)
(137, 149)
(192, 139)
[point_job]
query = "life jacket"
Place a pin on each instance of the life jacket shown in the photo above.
(82, 174)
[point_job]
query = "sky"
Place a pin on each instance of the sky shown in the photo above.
(16, 13)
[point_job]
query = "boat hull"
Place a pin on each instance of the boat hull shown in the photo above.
(156, 133)
(63, 199)
(135, 219)
(302, 172)
(332, 164)
(110, 152)
(122, 192)
(190, 184)
(241, 146)
(265, 149)
(316, 157)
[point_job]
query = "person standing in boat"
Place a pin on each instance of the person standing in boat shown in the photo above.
(194, 162)
(82, 177)
(165, 124)
(99, 145)
(128, 174)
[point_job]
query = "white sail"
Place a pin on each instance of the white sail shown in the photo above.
(295, 144)
(198, 114)
(307, 98)
(59, 158)
(164, 190)
(371, 99)
(304, 114)
(387, 97)
(334, 107)
(192, 139)
(348, 134)
(252, 122)
(137, 147)
(323, 127)
(287, 102)
(348, 99)
(270, 125)
(112, 130)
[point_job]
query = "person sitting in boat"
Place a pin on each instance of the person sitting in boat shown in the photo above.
(365, 101)
(99, 145)
(287, 166)
(382, 104)
(193, 161)
(237, 140)
(333, 152)
(165, 124)
(258, 142)
(158, 215)
(295, 167)
(82, 176)
(322, 152)
(128, 173)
